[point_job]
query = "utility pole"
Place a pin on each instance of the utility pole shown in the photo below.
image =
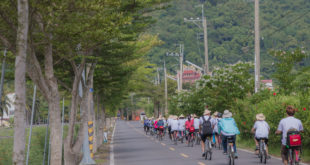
(257, 47)
(205, 39)
(181, 66)
(203, 26)
(166, 89)
(180, 72)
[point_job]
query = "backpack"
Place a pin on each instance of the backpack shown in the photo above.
(160, 123)
(206, 127)
(293, 139)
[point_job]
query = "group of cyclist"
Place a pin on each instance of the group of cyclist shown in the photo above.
(222, 129)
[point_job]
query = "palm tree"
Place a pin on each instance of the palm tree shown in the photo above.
(4, 106)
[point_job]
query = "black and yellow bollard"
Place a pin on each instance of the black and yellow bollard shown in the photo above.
(91, 137)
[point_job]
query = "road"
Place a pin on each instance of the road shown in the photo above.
(133, 147)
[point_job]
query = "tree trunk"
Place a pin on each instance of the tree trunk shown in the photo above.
(20, 83)
(55, 128)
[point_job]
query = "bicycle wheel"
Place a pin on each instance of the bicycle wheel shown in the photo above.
(296, 153)
(192, 141)
(264, 157)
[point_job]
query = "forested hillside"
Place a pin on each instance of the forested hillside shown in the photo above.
(284, 25)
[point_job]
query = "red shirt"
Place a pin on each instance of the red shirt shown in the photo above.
(189, 124)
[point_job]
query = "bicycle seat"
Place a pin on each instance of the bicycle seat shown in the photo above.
(230, 139)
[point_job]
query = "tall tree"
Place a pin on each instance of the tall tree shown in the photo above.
(20, 82)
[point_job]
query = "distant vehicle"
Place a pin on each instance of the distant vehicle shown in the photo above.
(142, 116)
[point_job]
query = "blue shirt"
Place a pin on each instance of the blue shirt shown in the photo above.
(228, 126)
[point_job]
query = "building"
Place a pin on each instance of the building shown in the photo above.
(190, 75)
(267, 84)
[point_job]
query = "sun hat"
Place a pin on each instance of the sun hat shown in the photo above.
(260, 117)
(207, 112)
(227, 114)
(215, 114)
(195, 116)
(181, 115)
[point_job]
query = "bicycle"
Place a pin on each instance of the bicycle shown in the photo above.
(230, 150)
(191, 139)
(182, 136)
(161, 133)
(152, 131)
(220, 145)
(294, 155)
(262, 151)
(208, 149)
(175, 137)
(146, 129)
(197, 138)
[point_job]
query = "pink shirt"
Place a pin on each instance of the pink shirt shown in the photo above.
(155, 124)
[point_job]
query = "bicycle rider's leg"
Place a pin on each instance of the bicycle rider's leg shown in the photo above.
(224, 142)
(284, 155)
(267, 151)
(235, 148)
(203, 140)
(257, 146)
(216, 138)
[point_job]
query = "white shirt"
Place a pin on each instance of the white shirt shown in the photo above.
(169, 122)
(216, 120)
(196, 123)
(289, 123)
(261, 129)
(182, 124)
(174, 125)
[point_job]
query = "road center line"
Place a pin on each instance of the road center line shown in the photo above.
(184, 155)
(200, 163)
(163, 144)
(172, 149)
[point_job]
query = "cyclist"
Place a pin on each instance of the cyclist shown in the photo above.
(206, 128)
(196, 124)
(189, 126)
(174, 126)
(261, 131)
(182, 126)
(169, 125)
(286, 124)
(216, 130)
(228, 128)
(146, 126)
(160, 125)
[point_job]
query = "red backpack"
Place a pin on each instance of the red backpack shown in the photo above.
(293, 139)
(192, 128)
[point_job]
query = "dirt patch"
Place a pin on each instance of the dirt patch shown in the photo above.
(102, 155)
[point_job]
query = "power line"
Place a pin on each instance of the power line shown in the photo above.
(285, 26)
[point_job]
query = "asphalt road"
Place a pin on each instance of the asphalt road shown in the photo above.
(133, 147)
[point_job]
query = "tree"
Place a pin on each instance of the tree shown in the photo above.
(286, 61)
(20, 82)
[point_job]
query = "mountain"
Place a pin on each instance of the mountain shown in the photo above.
(284, 25)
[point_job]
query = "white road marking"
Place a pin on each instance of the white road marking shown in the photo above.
(172, 149)
(112, 147)
(200, 163)
(184, 155)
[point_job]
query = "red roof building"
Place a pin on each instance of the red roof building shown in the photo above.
(190, 75)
